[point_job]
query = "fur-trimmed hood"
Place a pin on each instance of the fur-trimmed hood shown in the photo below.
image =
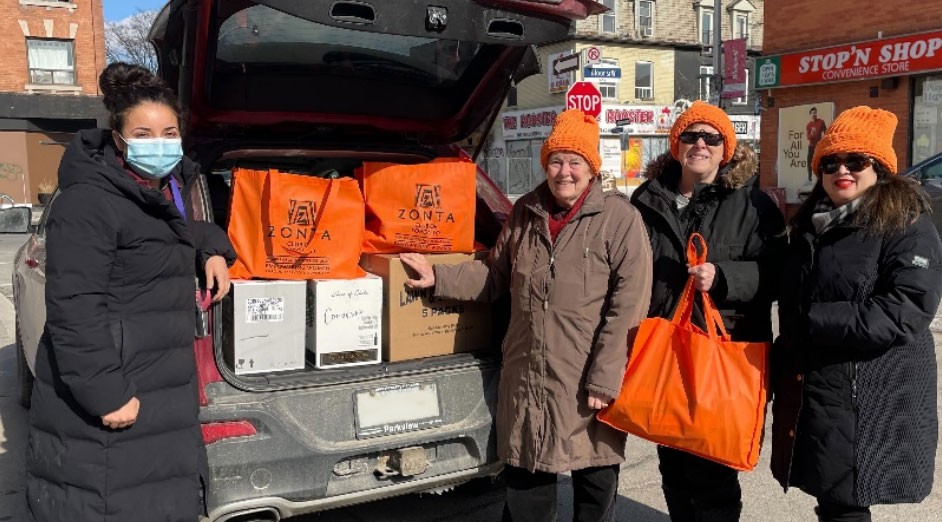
(733, 175)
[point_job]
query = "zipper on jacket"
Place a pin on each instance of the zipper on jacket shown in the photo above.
(853, 382)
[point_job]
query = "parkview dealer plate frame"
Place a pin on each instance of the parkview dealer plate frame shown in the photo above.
(392, 409)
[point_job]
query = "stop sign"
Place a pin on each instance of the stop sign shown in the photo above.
(586, 97)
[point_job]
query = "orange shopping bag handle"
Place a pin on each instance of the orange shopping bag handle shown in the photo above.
(714, 320)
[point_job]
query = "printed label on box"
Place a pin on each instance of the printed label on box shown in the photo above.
(265, 309)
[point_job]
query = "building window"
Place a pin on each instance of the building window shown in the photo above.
(609, 91)
(741, 26)
(706, 83)
(742, 100)
(607, 20)
(512, 96)
(646, 18)
(51, 62)
(706, 26)
(644, 81)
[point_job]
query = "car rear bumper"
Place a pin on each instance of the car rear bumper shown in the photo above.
(286, 508)
(306, 455)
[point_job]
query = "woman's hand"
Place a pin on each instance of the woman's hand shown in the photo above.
(418, 263)
(703, 276)
(597, 401)
(217, 276)
(123, 416)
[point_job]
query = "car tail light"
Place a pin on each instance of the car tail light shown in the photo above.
(217, 431)
(206, 370)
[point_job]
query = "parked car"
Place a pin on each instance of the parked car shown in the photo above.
(929, 174)
(313, 87)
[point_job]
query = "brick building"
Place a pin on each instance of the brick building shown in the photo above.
(53, 52)
(656, 57)
(892, 59)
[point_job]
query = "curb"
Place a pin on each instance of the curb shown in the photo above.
(7, 321)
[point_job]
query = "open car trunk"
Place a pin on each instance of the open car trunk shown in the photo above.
(323, 85)
(492, 209)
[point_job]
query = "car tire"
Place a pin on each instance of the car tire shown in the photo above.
(24, 377)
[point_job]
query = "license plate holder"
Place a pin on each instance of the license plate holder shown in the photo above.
(392, 409)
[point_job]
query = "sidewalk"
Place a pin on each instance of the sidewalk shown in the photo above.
(13, 424)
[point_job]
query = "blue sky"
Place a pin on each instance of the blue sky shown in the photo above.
(120, 9)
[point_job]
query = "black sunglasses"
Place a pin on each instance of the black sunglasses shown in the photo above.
(709, 138)
(853, 162)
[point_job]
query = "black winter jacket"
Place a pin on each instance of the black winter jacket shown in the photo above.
(120, 271)
(744, 232)
(854, 415)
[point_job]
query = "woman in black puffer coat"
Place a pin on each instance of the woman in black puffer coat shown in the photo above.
(854, 415)
(114, 430)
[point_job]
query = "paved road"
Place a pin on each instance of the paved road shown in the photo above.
(639, 500)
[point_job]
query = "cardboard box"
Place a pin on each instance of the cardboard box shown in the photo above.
(266, 331)
(416, 324)
(344, 321)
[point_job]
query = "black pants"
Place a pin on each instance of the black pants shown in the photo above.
(531, 497)
(698, 490)
(830, 512)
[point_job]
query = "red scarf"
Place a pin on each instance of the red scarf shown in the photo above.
(557, 220)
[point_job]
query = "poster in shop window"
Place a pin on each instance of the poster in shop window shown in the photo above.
(518, 167)
(799, 130)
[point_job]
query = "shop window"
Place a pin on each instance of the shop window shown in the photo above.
(524, 171)
(927, 118)
(51, 62)
(607, 20)
(644, 81)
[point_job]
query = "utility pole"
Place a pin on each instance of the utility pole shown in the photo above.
(718, 51)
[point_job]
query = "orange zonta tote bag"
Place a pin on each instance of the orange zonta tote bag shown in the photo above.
(289, 226)
(427, 207)
(691, 390)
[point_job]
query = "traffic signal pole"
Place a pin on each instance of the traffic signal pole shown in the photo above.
(718, 51)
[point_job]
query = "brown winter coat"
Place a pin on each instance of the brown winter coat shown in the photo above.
(573, 306)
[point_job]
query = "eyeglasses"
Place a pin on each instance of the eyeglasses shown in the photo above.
(709, 138)
(853, 162)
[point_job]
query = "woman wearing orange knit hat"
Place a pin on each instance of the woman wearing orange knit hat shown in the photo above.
(576, 264)
(855, 419)
(707, 184)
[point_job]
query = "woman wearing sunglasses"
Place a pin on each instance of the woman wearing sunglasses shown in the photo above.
(855, 420)
(707, 184)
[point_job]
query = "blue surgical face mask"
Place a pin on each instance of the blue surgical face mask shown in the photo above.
(153, 158)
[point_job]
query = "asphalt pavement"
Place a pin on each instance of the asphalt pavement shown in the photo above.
(639, 491)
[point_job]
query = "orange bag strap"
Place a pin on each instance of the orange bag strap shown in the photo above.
(683, 312)
(317, 218)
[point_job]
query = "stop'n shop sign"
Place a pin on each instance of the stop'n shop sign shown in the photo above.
(586, 97)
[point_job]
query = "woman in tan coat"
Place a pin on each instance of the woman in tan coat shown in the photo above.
(577, 264)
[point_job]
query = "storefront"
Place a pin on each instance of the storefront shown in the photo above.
(902, 74)
(630, 137)
(513, 159)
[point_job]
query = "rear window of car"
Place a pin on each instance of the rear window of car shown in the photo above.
(267, 60)
(263, 35)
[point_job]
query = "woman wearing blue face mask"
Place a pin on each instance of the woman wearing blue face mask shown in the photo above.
(114, 429)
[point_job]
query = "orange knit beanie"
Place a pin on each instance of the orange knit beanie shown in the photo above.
(574, 131)
(860, 129)
(712, 115)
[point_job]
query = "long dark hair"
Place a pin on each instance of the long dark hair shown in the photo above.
(887, 208)
(126, 86)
